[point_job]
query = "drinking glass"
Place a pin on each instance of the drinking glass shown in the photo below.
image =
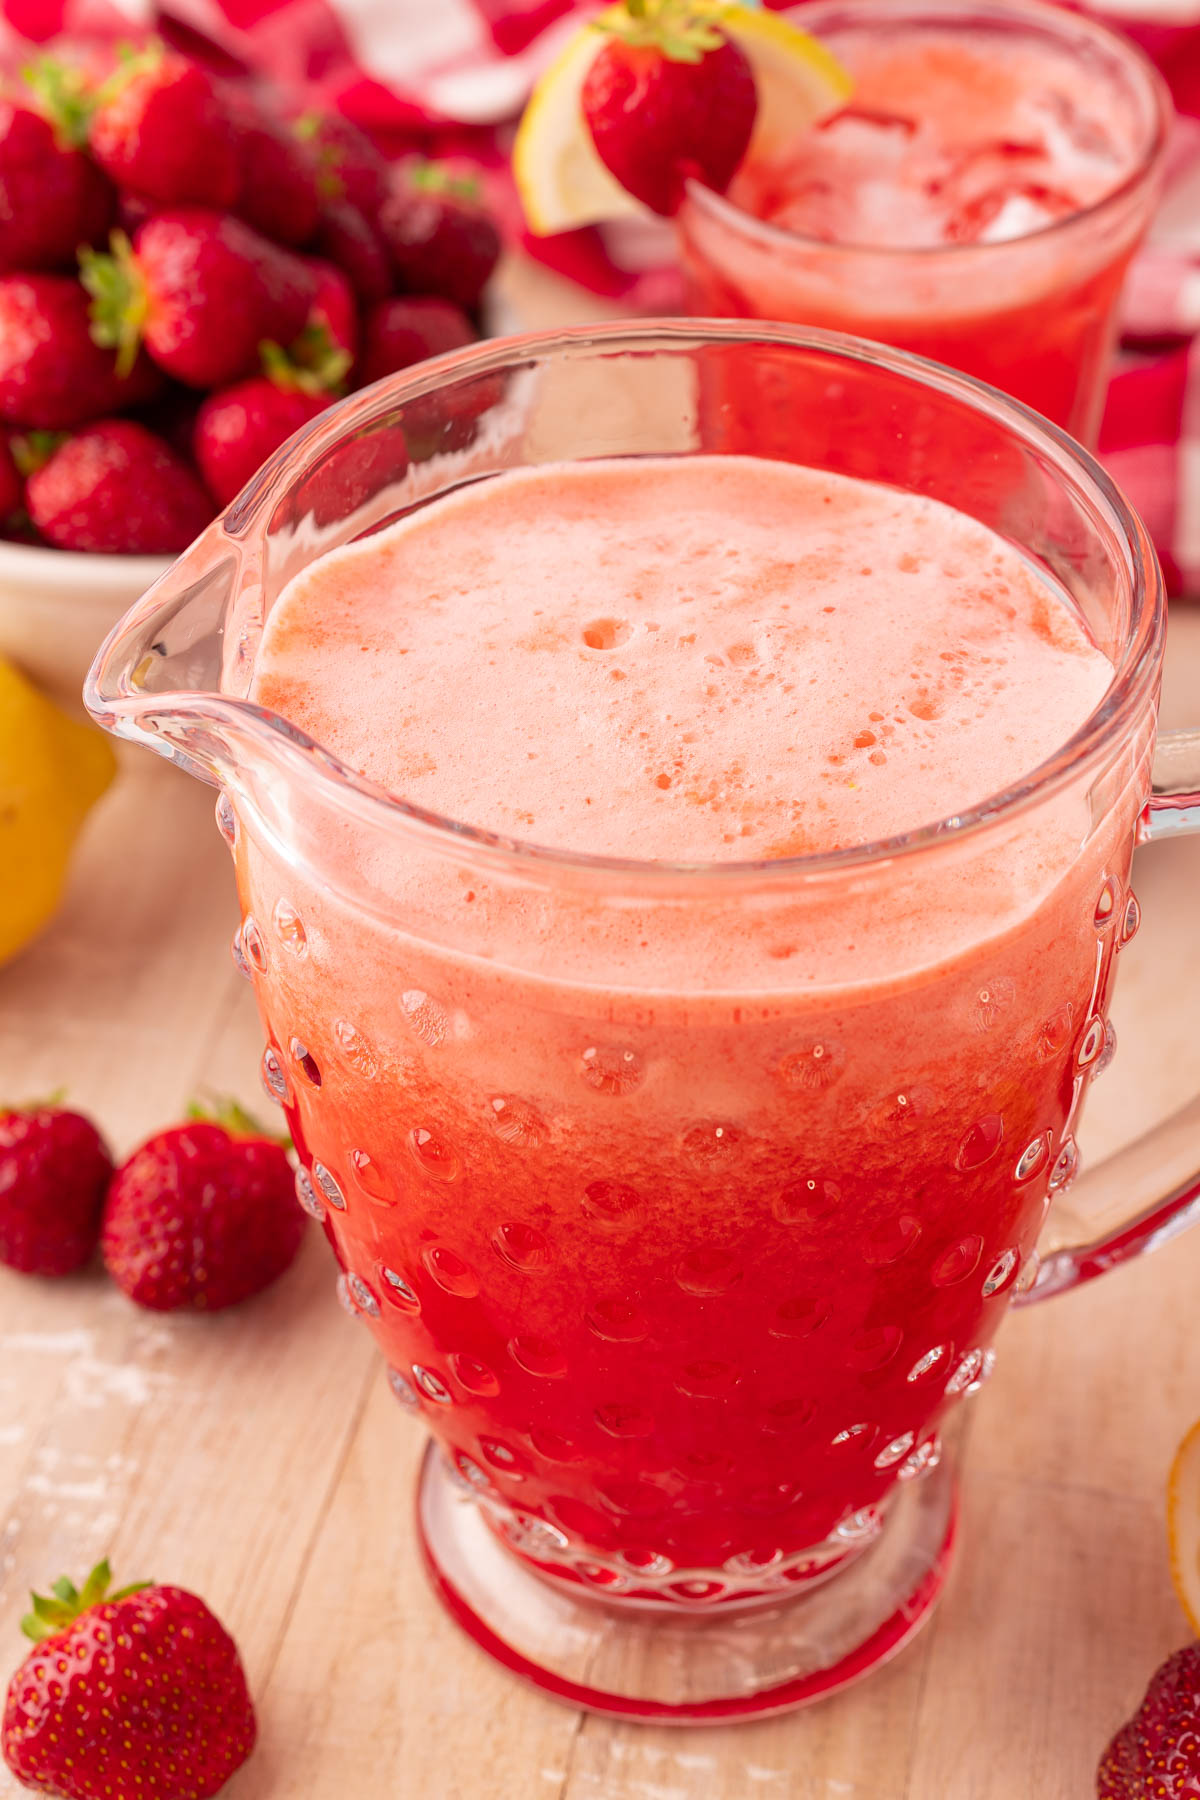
(684, 1275)
(1035, 315)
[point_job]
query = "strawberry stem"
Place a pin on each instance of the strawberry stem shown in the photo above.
(119, 299)
(443, 178)
(63, 97)
(313, 364)
(65, 1603)
(680, 30)
(31, 451)
(232, 1116)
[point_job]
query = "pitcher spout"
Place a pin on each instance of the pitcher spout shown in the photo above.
(165, 674)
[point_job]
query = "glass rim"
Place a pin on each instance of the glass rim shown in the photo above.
(109, 696)
(1055, 18)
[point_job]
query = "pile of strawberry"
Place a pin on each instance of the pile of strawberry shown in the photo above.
(187, 276)
(200, 1217)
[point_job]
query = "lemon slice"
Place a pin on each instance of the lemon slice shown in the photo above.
(559, 176)
(1183, 1525)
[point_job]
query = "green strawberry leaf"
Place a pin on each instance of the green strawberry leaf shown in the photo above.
(65, 1603)
(233, 1117)
(680, 30)
(119, 299)
(63, 97)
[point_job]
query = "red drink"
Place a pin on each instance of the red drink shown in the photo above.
(977, 202)
(683, 1067)
(682, 1244)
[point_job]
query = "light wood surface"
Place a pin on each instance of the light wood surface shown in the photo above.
(259, 1457)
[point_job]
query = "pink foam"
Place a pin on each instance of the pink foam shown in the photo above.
(685, 658)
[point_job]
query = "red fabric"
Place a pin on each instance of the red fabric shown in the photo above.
(450, 75)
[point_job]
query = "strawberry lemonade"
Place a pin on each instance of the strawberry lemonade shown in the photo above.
(683, 1211)
(976, 201)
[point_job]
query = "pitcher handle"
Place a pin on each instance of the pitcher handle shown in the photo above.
(1147, 1193)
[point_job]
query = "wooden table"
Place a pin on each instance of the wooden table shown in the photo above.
(259, 1457)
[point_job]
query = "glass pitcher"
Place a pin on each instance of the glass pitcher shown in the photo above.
(686, 1277)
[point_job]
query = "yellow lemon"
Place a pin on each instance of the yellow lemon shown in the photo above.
(559, 176)
(1183, 1525)
(52, 771)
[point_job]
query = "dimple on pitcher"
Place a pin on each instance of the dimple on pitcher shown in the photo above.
(685, 1257)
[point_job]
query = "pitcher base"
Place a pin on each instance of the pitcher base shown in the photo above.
(698, 1667)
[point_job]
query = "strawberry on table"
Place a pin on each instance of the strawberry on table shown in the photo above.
(669, 96)
(54, 1170)
(344, 237)
(161, 128)
(280, 193)
(53, 375)
(52, 197)
(202, 1216)
(135, 1693)
(438, 233)
(1156, 1756)
(200, 290)
(117, 489)
(400, 332)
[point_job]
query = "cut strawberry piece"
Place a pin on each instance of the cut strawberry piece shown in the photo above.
(669, 97)
(161, 128)
(52, 374)
(201, 290)
(1156, 1756)
(117, 489)
(54, 1169)
(156, 1703)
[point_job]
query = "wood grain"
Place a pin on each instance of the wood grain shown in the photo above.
(260, 1458)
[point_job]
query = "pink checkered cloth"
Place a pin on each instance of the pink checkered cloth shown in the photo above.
(450, 75)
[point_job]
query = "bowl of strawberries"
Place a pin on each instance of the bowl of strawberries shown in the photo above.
(190, 271)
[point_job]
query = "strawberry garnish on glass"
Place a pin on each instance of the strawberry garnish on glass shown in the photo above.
(670, 96)
(140, 1693)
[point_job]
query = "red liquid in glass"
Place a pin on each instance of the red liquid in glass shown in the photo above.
(683, 1226)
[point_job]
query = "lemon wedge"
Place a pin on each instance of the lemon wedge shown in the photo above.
(562, 181)
(1183, 1525)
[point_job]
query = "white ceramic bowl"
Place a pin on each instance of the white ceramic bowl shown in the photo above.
(58, 606)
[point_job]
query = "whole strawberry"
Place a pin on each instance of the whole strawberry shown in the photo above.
(240, 427)
(202, 1216)
(138, 1693)
(280, 194)
(438, 233)
(333, 312)
(53, 375)
(161, 128)
(668, 97)
(201, 291)
(116, 488)
(398, 333)
(344, 237)
(348, 165)
(52, 197)
(54, 1170)
(1156, 1756)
